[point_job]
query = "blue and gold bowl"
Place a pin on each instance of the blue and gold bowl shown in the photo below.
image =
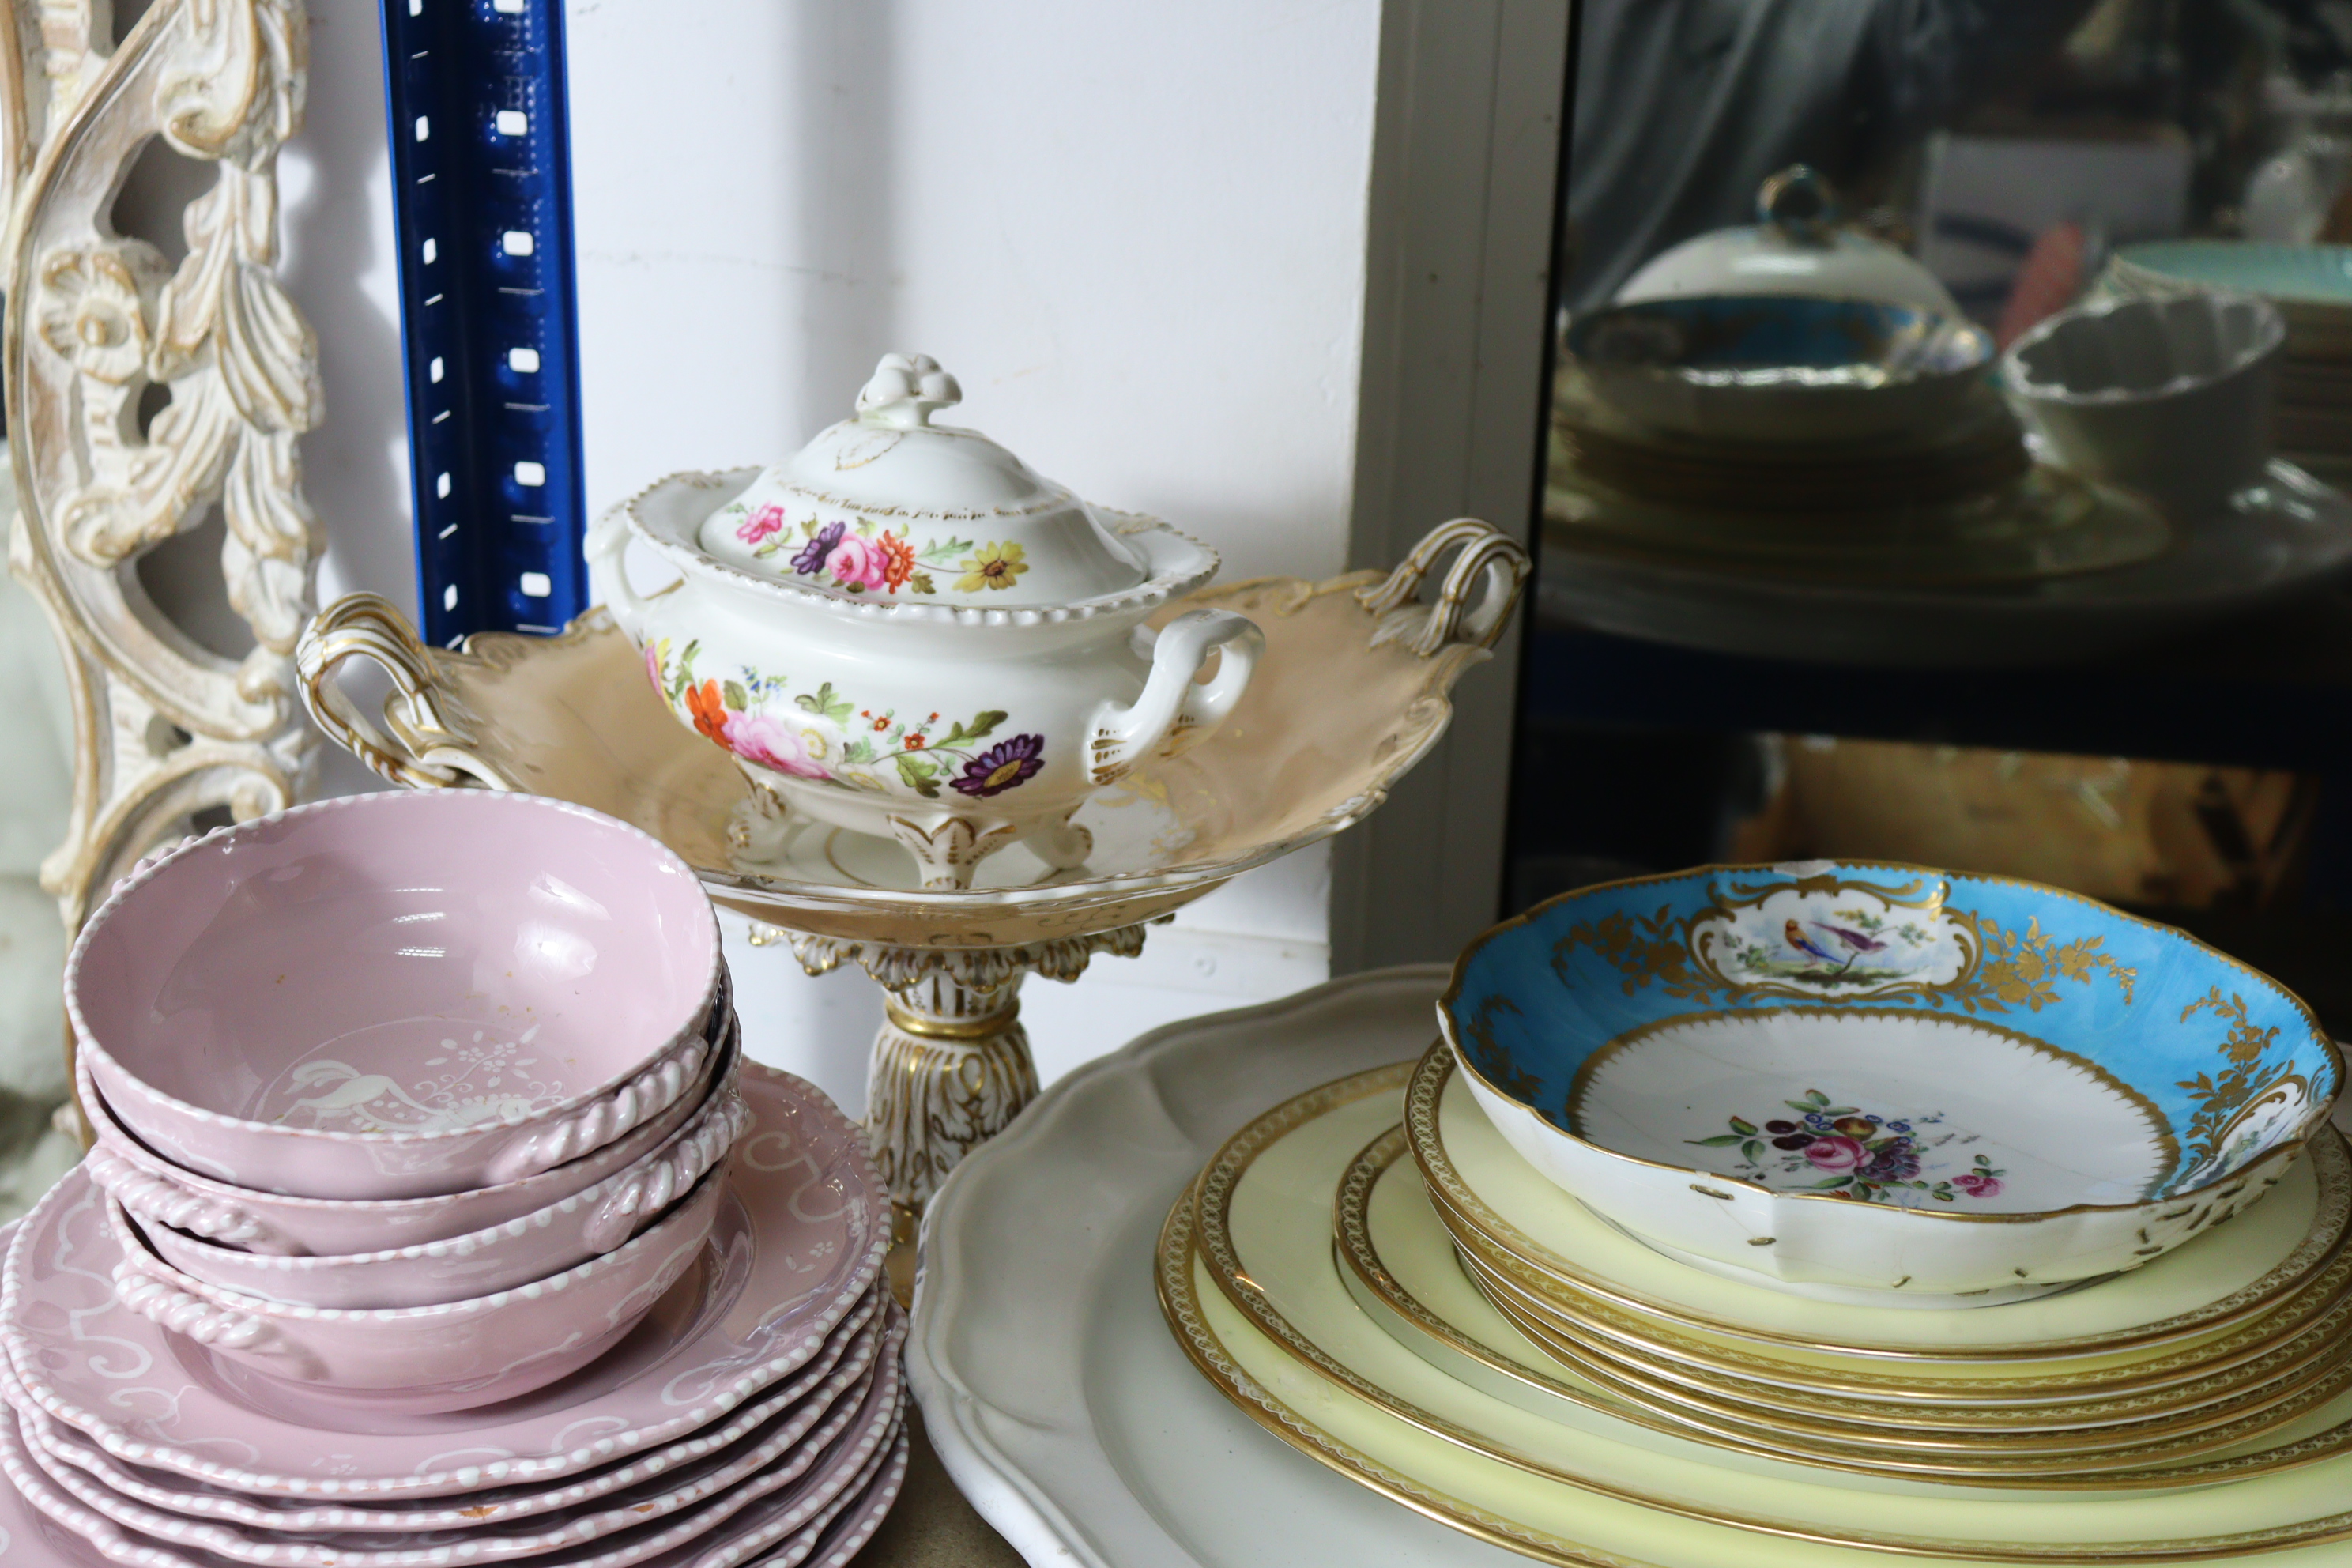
(1781, 368)
(1885, 1083)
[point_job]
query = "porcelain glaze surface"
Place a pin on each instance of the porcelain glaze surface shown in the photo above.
(785, 1524)
(905, 631)
(152, 1188)
(537, 1245)
(397, 996)
(457, 1355)
(794, 1249)
(1626, 1482)
(1032, 1302)
(786, 1419)
(1777, 368)
(2171, 397)
(1795, 247)
(633, 1526)
(1886, 1079)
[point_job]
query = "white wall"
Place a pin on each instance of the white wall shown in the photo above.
(1136, 232)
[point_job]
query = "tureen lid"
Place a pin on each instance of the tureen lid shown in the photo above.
(1795, 247)
(887, 507)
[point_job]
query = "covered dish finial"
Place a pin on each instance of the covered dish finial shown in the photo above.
(905, 389)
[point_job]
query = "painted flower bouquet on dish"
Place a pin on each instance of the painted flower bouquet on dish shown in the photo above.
(1829, 1148)
(818, 734)
(859, 555)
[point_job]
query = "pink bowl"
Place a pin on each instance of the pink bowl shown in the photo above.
(427, 1360)
(548, 1241)
(153, 1189)
(397, 996)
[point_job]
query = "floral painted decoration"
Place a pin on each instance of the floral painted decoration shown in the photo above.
(735, 715)
(866, 558)
(1877, 1159)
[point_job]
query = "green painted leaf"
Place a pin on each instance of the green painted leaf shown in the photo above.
(1833, 1182)
(955, 732)
(1752, 1150)
(1717, 1141)
(861, 749)
(943, 551)
(914, 767)
(866, 526)
(1800, 1105)
(1982, 1159)
(984, 722)
(921, 582)
(1943, 1197)
(1817, 1096)
(737, 698)
(1742, 1127)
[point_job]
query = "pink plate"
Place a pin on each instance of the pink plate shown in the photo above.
(781, 1419)
(841, 1541)
(842, 1484)
(641, 1524)
(795, 1244)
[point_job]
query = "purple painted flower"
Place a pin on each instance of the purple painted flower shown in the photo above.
(1002, 766)
(1896, 1161)
(812, 558)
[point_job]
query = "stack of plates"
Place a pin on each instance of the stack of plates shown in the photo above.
(1312, 1275)
(753, 1416)
(1961, 504)
(2312, 286)
(2107, 1388)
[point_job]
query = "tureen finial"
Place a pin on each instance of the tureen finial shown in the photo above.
(904, 391)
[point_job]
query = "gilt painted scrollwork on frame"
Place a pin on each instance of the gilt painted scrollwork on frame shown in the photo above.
(101, 326)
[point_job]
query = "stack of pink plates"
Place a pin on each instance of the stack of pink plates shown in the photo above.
(435, 1219)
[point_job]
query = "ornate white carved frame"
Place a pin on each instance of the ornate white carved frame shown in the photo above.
(163, 727)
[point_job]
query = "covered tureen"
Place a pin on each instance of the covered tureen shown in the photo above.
(904, 630)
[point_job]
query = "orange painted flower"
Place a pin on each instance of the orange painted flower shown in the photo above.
(708, 709)
(897, 561)
(916, 742)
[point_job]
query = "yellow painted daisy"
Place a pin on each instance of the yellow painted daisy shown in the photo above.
(995, 566)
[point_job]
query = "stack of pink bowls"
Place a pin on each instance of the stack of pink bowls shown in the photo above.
(433, 1216)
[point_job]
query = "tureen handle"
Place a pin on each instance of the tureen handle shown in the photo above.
(1175, 712)
(608, 575)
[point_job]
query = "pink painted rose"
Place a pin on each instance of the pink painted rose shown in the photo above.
(1834, 1153)
(756, 738)
(1976, 1185)
(858, 562)
(761, 525)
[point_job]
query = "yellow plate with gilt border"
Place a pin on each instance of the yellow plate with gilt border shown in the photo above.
(1425, 1252)
(2277, 1434)
(1283, 1337)
(2073, 1341)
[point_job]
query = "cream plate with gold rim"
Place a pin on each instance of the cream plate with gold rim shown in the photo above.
(1249, 1281)
(2233, 1274)
(1404, 1270)
(1280, 1176)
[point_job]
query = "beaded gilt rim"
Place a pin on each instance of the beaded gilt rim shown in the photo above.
(1458, 1204)
(1195, 1228)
